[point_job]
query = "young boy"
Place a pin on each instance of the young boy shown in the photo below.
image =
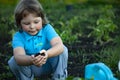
(36, 35)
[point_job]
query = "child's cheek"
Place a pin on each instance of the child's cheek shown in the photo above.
(24, 27)
(38, 27)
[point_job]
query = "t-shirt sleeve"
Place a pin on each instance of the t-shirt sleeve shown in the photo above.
(17, 41)
(50, 32)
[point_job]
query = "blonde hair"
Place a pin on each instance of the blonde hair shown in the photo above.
(26, 7)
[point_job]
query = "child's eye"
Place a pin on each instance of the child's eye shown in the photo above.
(36, 22)
(26, 23)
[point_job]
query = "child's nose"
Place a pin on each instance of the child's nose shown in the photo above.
(32, 25)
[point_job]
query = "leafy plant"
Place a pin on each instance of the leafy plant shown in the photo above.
(104, 26)
(66, 30)
(102, 31)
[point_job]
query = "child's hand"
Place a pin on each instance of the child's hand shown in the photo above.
(40, 59)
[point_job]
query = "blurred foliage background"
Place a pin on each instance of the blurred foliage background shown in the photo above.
(89, 28)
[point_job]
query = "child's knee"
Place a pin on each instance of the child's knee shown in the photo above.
(11, 61)
(66, 51)
(12, 64)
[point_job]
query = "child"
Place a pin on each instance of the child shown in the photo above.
(36, 35)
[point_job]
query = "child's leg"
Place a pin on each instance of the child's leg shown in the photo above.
(42, 71)
(59, 65)
(21, 72)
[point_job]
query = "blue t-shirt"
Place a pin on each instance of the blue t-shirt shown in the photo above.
(33, 44)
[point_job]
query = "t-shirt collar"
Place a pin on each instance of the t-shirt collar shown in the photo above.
(28, 36)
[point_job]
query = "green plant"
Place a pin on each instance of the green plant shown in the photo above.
(66, 30)
(104, 26)
(102, 31)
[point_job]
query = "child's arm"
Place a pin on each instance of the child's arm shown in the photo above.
(21, 58)
(57, 47)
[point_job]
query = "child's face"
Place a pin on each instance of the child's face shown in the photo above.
(31, 24)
